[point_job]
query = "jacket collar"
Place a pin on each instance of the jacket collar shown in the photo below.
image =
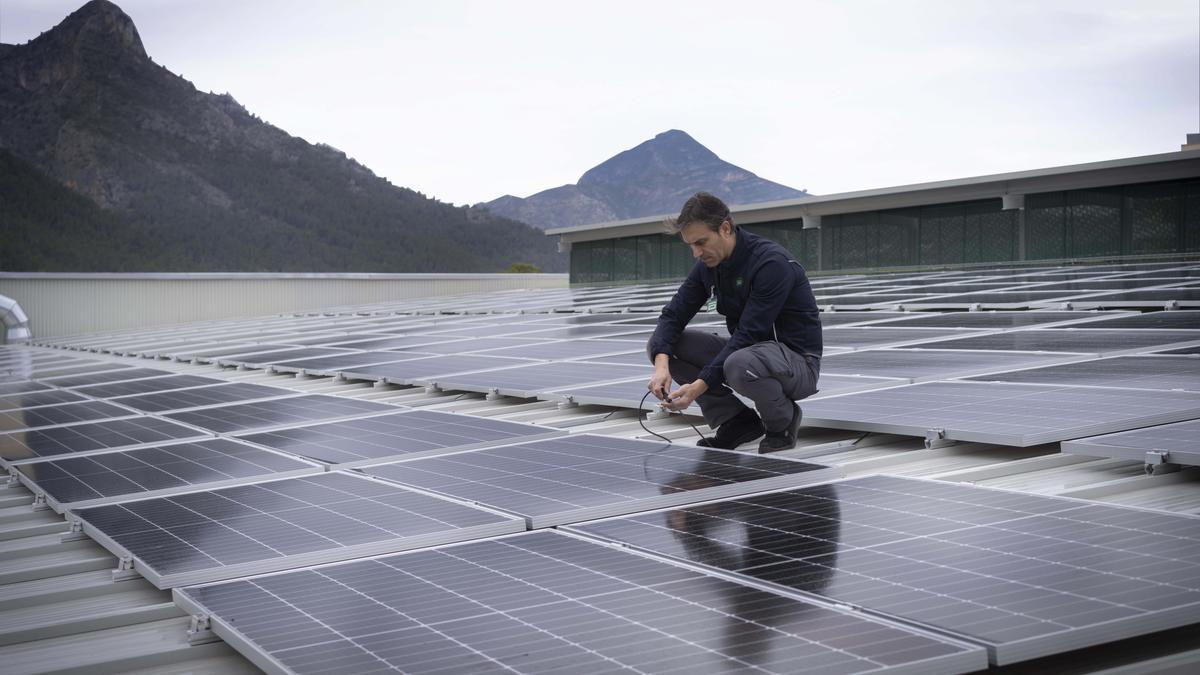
(741, 253)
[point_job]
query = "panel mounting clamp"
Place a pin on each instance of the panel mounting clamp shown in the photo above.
(200, 631)
(1159, 462)
(936, 438)
(125, 570)
(567, 401)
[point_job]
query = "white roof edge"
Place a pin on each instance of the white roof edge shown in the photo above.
(974, 181)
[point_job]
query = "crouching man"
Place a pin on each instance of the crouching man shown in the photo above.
(773, 353)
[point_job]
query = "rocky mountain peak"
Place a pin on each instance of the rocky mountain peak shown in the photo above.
(653, 178)
(93, 38)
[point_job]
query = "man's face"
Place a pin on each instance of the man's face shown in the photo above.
(709, 246)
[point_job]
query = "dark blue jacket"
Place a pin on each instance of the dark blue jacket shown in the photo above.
(761, 291)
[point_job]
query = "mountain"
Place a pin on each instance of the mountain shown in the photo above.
(181, 180)
(653, 178)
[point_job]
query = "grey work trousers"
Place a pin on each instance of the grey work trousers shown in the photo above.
(767, 373)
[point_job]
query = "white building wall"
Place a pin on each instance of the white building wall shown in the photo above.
(69, 304)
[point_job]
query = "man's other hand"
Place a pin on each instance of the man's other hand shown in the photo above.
(685, 395)
(660, 383)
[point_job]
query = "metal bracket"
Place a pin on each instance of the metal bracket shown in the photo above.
(301, 374)
(1171, 305)
(433, 388)
(125, 570)
(39, 503)
(976, 307)
(936, 438)
(492, 394)
(380, 383)
(567, 402)
(13, 481)
(76, 532)
(200, 631)
(1158, 462)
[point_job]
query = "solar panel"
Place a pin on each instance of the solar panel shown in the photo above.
(20, 446)
(480, 344)
(216, 394)
(119, 374)
(426, 369)
(547, 602)
(830, 319)
(1172, 443)
(60, 371)
(1182, 319)
(928, 364)
(569, 349)
(417, 433)
(35, 399)
(91, 480)
(332, 364)
(1188, 297)
(1024, 575)
(1066, 340)
(278, 412)
(584, 476)
(279, 356)
(574, 332)
(8, 389)
(877, 337)
(64, 413)
(147, 386)
(263, 527)
(999, 412)
(1178, 373)
(1195, 349)
(632, 358)
(993, 319)
(525, 381)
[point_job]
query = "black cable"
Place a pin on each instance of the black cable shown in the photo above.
(642, 403)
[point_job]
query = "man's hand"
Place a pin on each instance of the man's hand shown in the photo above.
(685, 395)
(660, 382)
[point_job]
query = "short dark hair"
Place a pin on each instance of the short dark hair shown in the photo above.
(701, 207)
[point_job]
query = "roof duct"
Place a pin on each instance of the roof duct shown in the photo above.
(16, 324)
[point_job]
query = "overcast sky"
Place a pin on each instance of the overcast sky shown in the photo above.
(466, 101)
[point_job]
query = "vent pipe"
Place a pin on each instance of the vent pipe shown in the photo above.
(16, 324)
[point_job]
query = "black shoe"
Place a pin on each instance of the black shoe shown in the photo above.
(785, 439)
(743, 428)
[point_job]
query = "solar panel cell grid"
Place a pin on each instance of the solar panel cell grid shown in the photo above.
(196, 397)
(25, 445)
(277, 412)
(80, 481)
(218, 534)
(544, 602)
(65, 413)
(406, 434)
(1025, 575)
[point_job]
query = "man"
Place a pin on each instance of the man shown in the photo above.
(773, 354)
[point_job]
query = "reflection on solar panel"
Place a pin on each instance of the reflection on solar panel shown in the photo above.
(119, 374)
(1065, 340)
(421, 370)
(1024, 575)
(526, 381)
(278, 412)
(51, 372)
(66, 413)
(1166, 444)
(926, 364)
(1180, 373)
(91, 480)
(216, 394)
(1188, 320)
(34, 399)
(8, 389)
(416, 433)
(330, 364)
(279, 356)
(868, 336)
(584, 476)
(147, 386)
(1001, 413)
(19, 446)
(547, 602)
(991, 319)
(264, 527)
(569, 349)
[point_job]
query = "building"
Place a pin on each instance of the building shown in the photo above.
(1139, 207)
